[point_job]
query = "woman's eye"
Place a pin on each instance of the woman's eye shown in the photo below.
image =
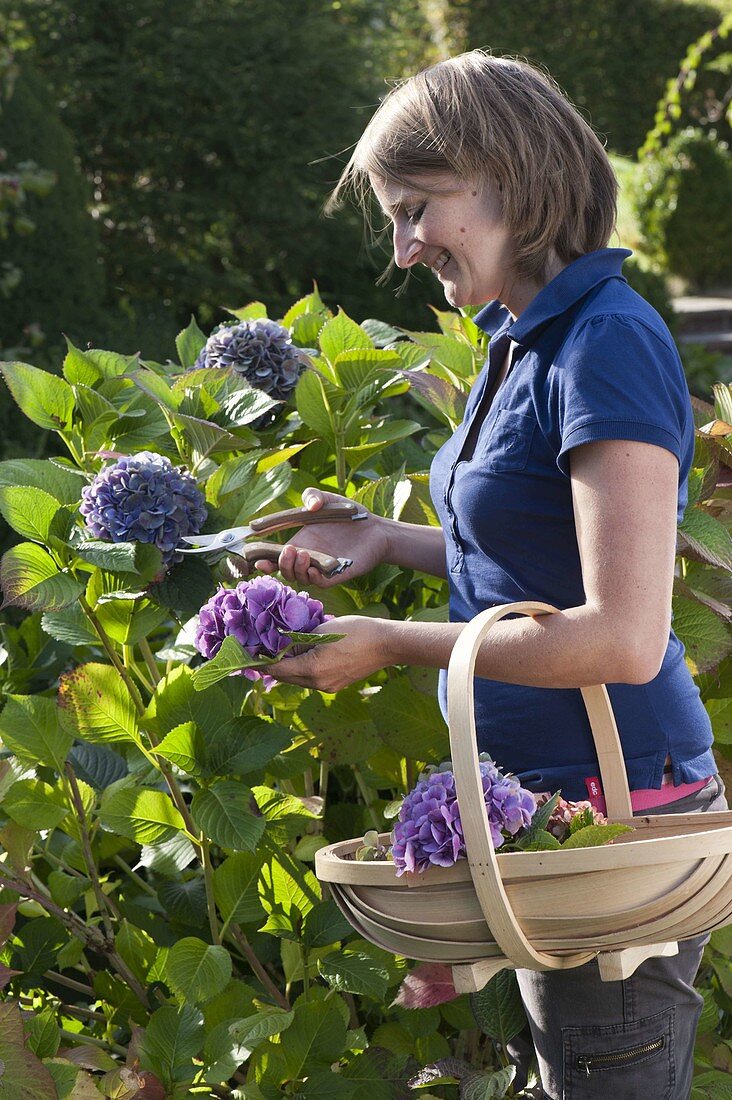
(415, 215)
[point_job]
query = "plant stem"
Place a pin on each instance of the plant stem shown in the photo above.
(113, 655)
(304, 956)
(251, 957)
(150, 661)
(340, 463)
(366, 796)
(128, 656)
(213, 921)
(106, 905)
(74, 1037)
(134, 876)
(78, 987)
(323, 779)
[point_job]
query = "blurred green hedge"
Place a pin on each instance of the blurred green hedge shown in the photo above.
(611, 58)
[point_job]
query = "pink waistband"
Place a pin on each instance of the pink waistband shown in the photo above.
(651, 798)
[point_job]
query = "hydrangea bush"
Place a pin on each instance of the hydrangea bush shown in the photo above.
(144, 498)
(162, 932)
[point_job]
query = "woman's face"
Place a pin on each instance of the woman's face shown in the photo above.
(456, 230)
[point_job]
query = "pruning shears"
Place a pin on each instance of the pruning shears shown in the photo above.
(233, 539)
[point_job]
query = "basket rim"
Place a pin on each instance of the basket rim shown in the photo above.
(517, 866)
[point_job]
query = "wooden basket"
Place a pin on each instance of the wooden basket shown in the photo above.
(671, 878)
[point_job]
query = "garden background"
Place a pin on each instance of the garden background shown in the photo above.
(163, 160)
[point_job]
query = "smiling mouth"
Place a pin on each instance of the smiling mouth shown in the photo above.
(441, 260)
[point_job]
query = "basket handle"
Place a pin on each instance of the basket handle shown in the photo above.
(463, 745)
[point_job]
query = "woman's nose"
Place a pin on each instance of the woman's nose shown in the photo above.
(407, 246)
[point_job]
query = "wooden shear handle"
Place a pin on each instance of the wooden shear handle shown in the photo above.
(296, 517)
(270, 551)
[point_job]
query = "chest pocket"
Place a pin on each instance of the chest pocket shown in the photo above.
(507, 442)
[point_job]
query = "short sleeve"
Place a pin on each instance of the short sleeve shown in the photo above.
(617, 378)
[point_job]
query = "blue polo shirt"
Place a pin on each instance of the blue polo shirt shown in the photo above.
(591, 360)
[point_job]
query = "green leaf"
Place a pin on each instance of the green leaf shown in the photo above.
(377, 439)
(324, 925)
(184, 746)
(410, 722)
(45, 399)
(262, 490)
(232, 474)
(593, 836)
(705, 637)
(253, 311)
(142, 559)
(342, 334)
(63, 484)
(487, 1086)
(185, 589)
(268, 1021)
(498, 1008)
(438, 395)
(706, 538)
(95, 364)
(169, 857)
(231, 657)
(353, 972)
(720, 712)
(224, 814)
(357, 369)
(143, 815)
(189, 342)
(291, 890)
(176, 702)
(315, 1038)
(97, 705)
(196, 971)
(97, 765)
(185, 901)
(379, 1075)
(172, 1040)
(70, 625)
(30, 579)
(29, 511)
(35, 804)
(24, 1077)
(127, 622)
(204, 438)
(235, 888)
(245, 745)
(342, 726)
(29, 727)
(314, 407)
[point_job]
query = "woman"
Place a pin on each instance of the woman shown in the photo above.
(563, 484)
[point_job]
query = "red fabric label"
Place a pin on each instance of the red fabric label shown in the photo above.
(594, 788)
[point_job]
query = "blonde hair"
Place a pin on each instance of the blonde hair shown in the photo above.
(495, 120)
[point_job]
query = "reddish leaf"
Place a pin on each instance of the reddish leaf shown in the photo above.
(6, 974)
(7, 920)
(427, 985)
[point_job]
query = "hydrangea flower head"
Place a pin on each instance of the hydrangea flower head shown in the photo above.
(560, 822)
(256, 613)
(144, 498)
(429, 830)
(261, 350)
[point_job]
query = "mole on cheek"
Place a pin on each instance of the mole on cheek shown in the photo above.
(473, 193)
(462, 230)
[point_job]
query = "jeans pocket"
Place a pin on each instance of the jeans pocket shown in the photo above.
(620, 1061)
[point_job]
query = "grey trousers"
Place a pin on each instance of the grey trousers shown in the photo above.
(647, 1021)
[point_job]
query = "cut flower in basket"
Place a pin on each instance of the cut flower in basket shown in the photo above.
(255, 624)
(429, 829)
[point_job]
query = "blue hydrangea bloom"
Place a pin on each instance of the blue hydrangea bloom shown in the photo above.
(429, 831)
(144, 498)
(261, 350)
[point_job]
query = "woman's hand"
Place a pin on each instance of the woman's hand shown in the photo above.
(338, 664)
(364, 540)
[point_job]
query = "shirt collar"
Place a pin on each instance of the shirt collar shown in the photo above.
(565, 290)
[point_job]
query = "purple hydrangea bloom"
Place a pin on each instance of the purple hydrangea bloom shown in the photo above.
(261, 351)
(429, 830)
(144, 498)
(256, 613)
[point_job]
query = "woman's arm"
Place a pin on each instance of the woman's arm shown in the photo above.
(624, 496)
(368, 542)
